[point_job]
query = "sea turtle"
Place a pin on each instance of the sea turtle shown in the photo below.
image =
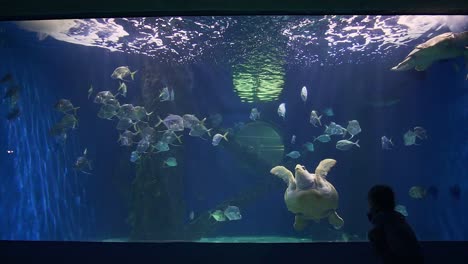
(310, 196)
(444, 46)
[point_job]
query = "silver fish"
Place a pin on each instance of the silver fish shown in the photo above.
(304, 94)
(293, 139)
(353, 128)
(123, 88)
(346, 144)
(65, 106)
(217, 138)
(170, 162)
(125, 111)
(139, 112)
(386, 143)
(190, 120)
(172, 122)
(420, 132)
(323, 138)
(166, 95)
(161, 146)
(335, 129)
(121, 72)
(309, 146)
(125, 123)
(282, 110)
(126, 138)
(315, 119)
(254, 114)
(170, 136)
(199, 130)
(409, 138)
(232, 213)
(294, 154)
(90, 91)
(103, 96)
(106, 112)
(142, 146)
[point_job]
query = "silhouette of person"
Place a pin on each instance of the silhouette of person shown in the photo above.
(392, 238)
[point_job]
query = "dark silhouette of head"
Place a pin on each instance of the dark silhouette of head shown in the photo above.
(381, 198)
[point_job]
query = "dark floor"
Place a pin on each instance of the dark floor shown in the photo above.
(329, 253)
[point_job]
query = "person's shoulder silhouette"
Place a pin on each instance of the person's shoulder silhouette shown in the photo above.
(391, 236)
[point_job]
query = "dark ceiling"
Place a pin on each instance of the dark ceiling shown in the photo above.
(37, 9)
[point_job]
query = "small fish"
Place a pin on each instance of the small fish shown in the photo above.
(170, 162)
(161, 147)
(353, 128)
(417, 192)
(123, 88)
(315, 119)
(346, 144)
(401, 209)
(166, 95)
(191, 215)
(143, 145)
(386, 143)
(254, 114)
(90, 91)
(172, 97)
(328, 111)
(294, 154)
(293, 139)
(125, 123)
(126, 138)
(309, 146)
(68, 121)
(134, 156)
(169, 137)
(323, 138)
(172, 122)
(420, 132)
(282, 110)
(121, 72)
(139, 113)
(218, 137)
(107, 112)
(218, 215)
(65, 106)
(199, 130)
(304, 94)
(335, 129)
(82, 163)
(103, 96)
(191, 120)
(409, 138)
(232, 213)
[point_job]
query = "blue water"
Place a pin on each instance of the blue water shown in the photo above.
(43, 198)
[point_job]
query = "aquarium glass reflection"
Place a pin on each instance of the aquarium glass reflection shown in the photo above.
(231, 129)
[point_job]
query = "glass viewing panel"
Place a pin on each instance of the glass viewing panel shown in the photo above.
(231, 129)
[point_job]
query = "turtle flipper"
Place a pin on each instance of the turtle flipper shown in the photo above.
(335, 220)
(324, 167)
(283, 173)
(299, 223)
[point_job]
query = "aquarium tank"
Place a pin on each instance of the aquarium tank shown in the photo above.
(231, 128)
